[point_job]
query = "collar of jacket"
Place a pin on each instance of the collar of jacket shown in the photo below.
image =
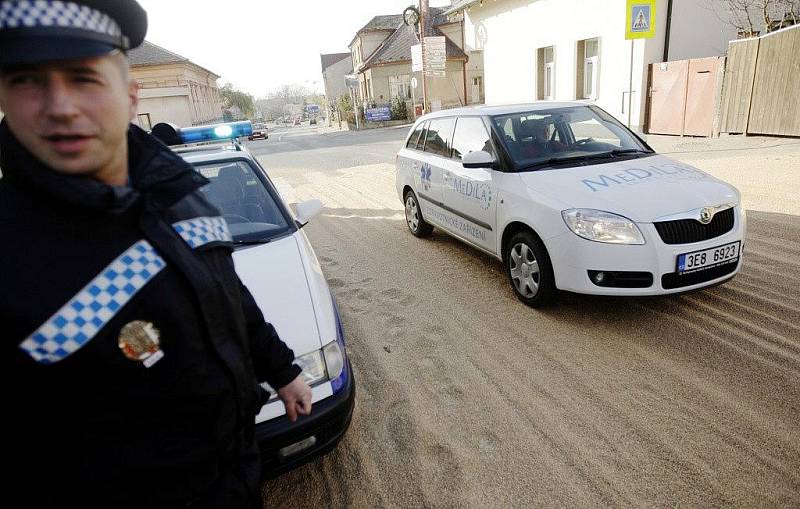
(158, 176)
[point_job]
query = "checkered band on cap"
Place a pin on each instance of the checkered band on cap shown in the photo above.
(75, 324)
(203, 230)
(56, 14)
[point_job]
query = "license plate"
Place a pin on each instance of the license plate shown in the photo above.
(708, 258)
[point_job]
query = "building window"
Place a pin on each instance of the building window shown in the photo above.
(144, 121)
(546, 72)
(588, 69)
(400, 86)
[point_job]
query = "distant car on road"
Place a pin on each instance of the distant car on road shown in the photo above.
(569, 199)
(313, 121)
(259, 132)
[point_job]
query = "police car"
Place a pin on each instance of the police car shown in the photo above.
(275, 261)
(569, 199)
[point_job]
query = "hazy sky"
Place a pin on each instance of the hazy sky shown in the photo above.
(258, 45)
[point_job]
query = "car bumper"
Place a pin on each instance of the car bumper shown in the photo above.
(573, 257)
(329, 420)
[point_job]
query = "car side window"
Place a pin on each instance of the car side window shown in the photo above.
(437, 137)
(470, 136)
(421, 141)
(412, 140)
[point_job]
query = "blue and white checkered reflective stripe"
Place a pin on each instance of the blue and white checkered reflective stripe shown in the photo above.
(55, 13)
(75, 324)
(203, 230)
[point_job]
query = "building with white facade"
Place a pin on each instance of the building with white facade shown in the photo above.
(576, 49)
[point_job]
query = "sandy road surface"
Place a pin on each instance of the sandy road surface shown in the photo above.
(468, 398)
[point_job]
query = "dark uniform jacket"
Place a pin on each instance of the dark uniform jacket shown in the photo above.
(131, 350)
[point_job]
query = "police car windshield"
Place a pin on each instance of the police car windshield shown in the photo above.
(251, 210)
(565, 136)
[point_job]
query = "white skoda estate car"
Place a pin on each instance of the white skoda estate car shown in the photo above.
(569, 199)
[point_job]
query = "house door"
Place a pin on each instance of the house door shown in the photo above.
(476, 89)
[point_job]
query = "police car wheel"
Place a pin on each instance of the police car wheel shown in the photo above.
(416, 224)
(529, 270)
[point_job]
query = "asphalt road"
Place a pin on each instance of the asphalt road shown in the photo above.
(468, 398)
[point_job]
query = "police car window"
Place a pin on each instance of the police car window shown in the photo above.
(437, 137)
(250, 209)
(470, 136)
(412, 140)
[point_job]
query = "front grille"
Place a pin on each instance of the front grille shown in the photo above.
(676, 280)
(688, 231)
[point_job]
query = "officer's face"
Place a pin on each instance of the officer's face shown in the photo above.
(72, 115)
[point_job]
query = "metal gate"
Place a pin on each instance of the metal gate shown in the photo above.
(681, 98)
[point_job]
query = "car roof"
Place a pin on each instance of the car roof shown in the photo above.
(501, 109)
(198, 154)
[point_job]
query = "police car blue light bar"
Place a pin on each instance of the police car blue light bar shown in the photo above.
(172, 135)
(216, 132)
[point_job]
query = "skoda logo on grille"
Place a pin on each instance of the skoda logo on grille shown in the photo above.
(706, 215)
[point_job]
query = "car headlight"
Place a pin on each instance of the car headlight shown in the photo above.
(318, 366)
(602, 226)
(334, 359)
(313, 366)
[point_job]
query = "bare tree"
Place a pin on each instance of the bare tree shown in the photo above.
(751, 17)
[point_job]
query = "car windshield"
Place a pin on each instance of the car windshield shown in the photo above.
(247, 204)
(559, 136)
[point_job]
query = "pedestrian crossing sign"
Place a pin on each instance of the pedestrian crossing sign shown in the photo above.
(640, 19)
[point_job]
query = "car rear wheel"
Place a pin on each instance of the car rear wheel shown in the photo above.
(416, 224)
(530, 271)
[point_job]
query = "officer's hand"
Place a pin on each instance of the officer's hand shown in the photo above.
(296, 397)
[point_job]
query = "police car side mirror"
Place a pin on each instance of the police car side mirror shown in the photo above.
(307, 210)
(479, 159)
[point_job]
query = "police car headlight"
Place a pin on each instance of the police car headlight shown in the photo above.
(602, 226)
(334, 359)
(313, 366)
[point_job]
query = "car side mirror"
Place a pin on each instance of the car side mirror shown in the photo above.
(479, 159)
(307, 210)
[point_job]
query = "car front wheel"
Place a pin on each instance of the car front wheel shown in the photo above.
(416, 224)
(530, 271)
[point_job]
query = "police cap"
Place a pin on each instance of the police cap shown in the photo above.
(33, 31)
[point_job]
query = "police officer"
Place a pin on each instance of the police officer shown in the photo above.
(132, 352)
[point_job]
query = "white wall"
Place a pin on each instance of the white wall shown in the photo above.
(166, 105)
(515, 29)
(697, 31)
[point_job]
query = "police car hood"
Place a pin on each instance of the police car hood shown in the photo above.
(277, 276)
(642, 189)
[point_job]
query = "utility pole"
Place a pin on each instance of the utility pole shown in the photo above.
(424, 13)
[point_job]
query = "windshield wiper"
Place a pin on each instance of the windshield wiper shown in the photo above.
(620, 151)
(252, 242)
(587, 157)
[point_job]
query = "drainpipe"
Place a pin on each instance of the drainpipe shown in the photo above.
(666, 34)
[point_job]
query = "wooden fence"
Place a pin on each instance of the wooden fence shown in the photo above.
(761, 91)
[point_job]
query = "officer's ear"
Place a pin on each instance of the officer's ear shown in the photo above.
(133, 97)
